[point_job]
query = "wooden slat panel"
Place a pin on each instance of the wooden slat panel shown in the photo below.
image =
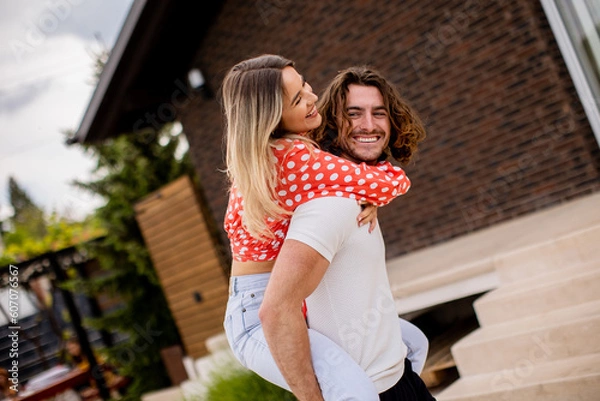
(201, 311)
(192, 325)
(186, 242)
(191, 317)
(186, 262)
(189, 232)
(191, 308)
(192, 277)
(189, 298)
(180, 300)
(212, 301)
(206, 286)
(175, 201)
(154, 199)
(155, 218)
(195, 259)
(201, 336)
(203, 250)
(168, 222)
(213, 307)
(184, 215)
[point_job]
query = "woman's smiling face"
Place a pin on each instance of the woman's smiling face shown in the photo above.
(299, 103)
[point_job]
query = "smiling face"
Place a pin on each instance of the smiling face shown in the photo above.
(369, 133)
(299, 110)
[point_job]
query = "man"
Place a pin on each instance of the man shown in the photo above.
(338, 267)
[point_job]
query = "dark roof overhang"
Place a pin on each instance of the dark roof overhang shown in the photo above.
(149, 63)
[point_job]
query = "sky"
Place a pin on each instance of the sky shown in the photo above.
(47, 52)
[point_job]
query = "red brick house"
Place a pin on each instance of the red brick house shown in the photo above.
(508, 91)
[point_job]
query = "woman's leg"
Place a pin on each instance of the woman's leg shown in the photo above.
(340, 377)
(417, 345)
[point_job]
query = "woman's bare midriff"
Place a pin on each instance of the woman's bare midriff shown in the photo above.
(245, 268)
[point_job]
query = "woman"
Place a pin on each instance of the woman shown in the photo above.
(273, 169)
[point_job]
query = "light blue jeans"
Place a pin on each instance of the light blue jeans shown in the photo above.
(339, 376)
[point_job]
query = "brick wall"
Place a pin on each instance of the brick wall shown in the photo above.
(506, 132)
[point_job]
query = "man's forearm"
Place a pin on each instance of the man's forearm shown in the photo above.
(297, 272)
(289, 344)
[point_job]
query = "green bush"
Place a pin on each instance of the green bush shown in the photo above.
(237, 385)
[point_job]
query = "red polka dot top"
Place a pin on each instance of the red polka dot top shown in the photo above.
(306, 173)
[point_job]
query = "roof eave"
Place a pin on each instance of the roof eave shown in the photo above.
(108, 72)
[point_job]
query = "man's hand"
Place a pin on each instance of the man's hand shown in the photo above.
(297, 272)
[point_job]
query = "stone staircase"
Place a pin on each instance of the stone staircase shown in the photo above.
(200, 372)
(540, 329)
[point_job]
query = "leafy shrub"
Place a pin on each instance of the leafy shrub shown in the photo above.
(237, 385)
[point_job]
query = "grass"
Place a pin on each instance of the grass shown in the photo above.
(236, 385)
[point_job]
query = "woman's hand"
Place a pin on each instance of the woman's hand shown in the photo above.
(368, 215)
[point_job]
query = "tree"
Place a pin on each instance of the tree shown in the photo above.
(21, 244)
(29, 232)
(27, 215)
(130, 167)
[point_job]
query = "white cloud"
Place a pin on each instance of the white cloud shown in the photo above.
(32, 145)
(45, 90)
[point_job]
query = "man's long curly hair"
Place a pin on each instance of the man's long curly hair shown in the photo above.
(406, 127)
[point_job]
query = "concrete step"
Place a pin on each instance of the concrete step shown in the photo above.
(166, 394)
(550, 337)
(570, 379)
(577, 247)
(540, 294)
(217, 343)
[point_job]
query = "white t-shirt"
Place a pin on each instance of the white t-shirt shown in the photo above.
(353, 304)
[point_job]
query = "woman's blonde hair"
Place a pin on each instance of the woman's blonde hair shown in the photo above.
(253, 104)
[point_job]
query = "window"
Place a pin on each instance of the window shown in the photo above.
(576, 26)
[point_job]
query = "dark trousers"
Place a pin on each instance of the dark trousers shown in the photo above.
(410, 387)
